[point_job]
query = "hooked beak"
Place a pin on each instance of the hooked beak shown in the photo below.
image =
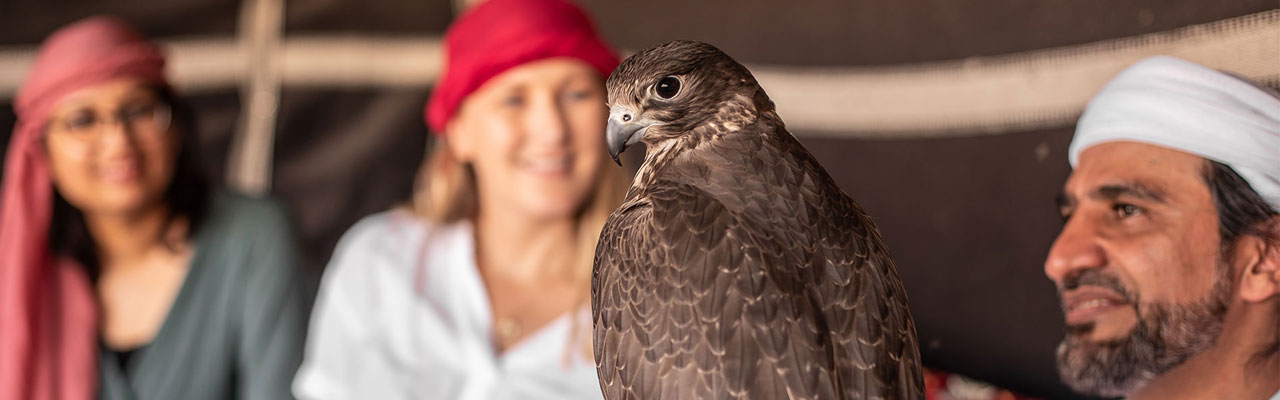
(624, 129)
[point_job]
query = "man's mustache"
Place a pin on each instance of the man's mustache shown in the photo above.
(1093, 277)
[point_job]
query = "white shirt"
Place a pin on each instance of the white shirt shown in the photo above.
(403, 314)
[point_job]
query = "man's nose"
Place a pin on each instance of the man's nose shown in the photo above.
(1076, 249)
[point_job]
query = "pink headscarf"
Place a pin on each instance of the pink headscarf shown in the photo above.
(48, 315)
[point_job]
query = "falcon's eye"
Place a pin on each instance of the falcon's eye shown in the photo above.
(667, 87)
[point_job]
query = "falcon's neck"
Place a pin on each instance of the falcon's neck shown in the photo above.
(656, 157)
(734, 116)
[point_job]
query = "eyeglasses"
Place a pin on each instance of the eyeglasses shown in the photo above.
(147, 120)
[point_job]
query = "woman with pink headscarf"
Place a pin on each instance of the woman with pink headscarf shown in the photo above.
(122, 275)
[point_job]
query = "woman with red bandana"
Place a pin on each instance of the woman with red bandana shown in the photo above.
(479, 289)
(122, 275)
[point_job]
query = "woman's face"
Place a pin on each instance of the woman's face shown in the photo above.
(535, 137)
(112, 148)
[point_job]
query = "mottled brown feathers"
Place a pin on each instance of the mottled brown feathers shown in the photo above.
(736, 268)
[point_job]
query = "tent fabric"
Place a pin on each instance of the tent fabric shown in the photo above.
(969, 230)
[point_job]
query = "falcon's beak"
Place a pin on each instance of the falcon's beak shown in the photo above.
(624, 129)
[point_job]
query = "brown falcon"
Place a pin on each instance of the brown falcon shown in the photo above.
(736, 268)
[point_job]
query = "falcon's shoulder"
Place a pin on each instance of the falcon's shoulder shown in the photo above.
(668, 263)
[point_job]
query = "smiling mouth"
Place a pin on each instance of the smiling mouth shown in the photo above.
(1087, 303)
(558, 165)
(119, 172)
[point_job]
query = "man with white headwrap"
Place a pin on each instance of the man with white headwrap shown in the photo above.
(1168, 264)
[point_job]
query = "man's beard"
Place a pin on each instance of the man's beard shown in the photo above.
(1166, 335)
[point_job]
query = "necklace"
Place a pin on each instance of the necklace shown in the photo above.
(508, 329)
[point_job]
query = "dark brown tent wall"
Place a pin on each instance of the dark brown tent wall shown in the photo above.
(948, 120)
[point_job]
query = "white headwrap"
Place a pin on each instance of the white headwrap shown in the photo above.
(1181, 105)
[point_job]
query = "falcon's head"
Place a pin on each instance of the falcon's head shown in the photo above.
(675, 89)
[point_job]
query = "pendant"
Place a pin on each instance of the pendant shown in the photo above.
(508, 329)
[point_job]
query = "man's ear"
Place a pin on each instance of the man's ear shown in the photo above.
(1261, 273)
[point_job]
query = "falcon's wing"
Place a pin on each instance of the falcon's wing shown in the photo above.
(612, 286)
(836, 255)
(864, 306)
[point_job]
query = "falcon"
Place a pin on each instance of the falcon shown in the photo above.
(736, 268)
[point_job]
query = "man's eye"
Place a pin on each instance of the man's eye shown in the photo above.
(1126, 210)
